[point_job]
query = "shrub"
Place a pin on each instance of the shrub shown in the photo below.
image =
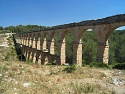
(120, 66)
(71, 68)
(28, 61)
(99, 65)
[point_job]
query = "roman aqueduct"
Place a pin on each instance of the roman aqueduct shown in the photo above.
(34, 48)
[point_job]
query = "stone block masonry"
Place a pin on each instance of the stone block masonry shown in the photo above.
(36, 49)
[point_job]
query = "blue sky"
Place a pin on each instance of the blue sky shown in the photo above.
(56, 12)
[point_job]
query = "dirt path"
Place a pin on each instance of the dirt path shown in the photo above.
(4, 42)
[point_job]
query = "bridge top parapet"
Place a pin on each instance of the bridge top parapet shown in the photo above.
(107, 20)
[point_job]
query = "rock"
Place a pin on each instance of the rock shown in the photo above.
(26, 84)
(117, 81)
(66, 64)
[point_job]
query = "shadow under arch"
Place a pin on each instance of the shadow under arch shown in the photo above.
(19, 51)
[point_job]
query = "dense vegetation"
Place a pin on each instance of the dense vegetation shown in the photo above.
(116, 43)
(116, 47)
(20, 28)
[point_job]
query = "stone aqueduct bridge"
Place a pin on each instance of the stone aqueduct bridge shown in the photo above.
(34, 43)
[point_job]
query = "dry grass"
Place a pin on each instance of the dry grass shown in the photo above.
(53, 80)
(1, 39)
(22, 78)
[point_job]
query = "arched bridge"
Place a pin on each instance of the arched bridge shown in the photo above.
(36, 48)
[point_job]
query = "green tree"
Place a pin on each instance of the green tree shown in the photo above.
(69, 47)
(117, 46)
(89, 47)
(1, 28)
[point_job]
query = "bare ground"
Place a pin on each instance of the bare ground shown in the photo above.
(3, 40)
(53, 80)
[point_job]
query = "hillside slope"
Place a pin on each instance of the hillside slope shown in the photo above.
(21, 78)
(28, 78)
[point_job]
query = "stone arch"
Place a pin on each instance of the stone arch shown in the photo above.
(77, 44)
(62, 46)
(39, 57)
(17, 37)
(22, 39)
(38, 46)
(26, 39)
(44, 41)
(33, 40)
(44, 58)
(31, 54)
(79, 32)
(30, 40)
(113, 28)
(51, 42)
(34, 55)
(103, 32)
(28, 53)
(63, 33)
(24, 51)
